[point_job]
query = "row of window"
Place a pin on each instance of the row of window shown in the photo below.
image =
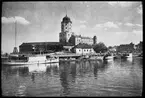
(86, 40)
(86, 50)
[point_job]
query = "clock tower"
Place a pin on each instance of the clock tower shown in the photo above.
(66, 30)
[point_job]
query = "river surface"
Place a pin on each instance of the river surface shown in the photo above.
(119, 77)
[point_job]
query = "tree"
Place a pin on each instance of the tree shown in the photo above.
(100, 47)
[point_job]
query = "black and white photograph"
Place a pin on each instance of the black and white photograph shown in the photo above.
(72, 48)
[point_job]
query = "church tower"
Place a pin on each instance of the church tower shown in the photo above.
(66, 30)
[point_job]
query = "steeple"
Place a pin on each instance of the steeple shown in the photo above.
(66, 11)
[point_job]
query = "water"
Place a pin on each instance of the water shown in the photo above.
(80, 78)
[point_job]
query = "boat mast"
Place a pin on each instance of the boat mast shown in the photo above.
(15, 32)
(15, 51)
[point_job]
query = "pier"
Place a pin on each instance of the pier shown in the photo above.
(68, 55)
(76, 56)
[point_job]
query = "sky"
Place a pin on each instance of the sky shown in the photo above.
(113, 23)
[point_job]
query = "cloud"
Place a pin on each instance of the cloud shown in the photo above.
(22, 20)
(19, 19)
(122, 4)
(107, 25)
(138, 25)
(139, 9)
(8, 20)
(129, 24)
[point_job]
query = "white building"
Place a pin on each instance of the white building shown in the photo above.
(83, 49)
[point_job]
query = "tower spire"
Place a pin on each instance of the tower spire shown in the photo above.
(66, 11)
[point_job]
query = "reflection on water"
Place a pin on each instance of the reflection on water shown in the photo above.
(121, 77)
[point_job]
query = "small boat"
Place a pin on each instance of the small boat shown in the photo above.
(108, 57)
(126, 55)
(27, 60)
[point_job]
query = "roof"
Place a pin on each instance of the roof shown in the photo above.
(83, 45)
(41, 43)
(66, 19)
(83, 37)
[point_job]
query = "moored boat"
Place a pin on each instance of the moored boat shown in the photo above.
(26, 60)
(126, 55)
(108, 57)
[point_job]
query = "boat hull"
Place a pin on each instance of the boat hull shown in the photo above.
(29, 63)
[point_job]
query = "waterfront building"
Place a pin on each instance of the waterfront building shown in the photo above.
(40, 47)
(83, 49)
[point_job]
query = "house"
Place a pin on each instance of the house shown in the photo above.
(83, 49)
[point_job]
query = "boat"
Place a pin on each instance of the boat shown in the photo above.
(16, 58)
(108, 57)
(27, 60)
(126, 55)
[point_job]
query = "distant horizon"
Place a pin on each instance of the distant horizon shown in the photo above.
(113, 23)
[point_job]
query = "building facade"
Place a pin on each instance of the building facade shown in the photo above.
(67, 36)
(40, 47)
(66, 32)
(83, 49)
